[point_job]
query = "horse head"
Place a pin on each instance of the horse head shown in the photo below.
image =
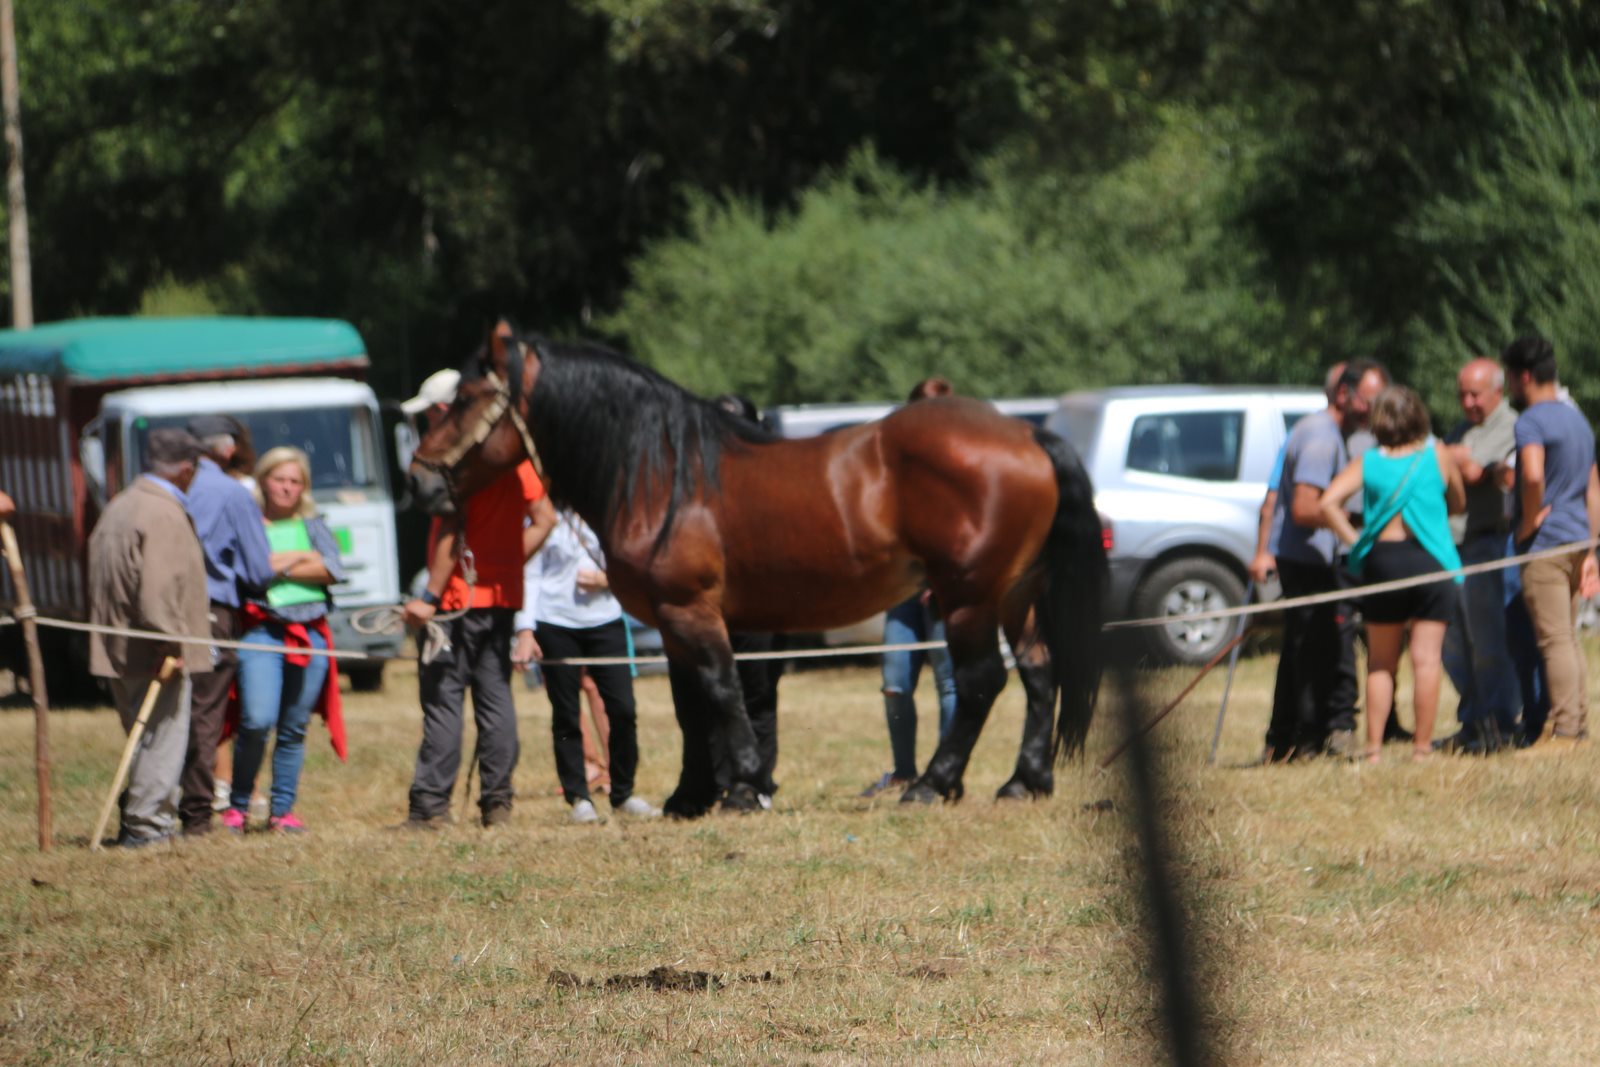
(483, 433)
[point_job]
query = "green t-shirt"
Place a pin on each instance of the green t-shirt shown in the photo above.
(289, 535)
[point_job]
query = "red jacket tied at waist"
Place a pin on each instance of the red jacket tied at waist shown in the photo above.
(297, 635)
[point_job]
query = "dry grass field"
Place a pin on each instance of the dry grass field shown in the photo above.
(1447, 913)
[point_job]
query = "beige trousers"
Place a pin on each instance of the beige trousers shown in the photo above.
(1550, 589)
(150, 802)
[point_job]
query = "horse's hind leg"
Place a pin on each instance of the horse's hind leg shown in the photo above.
(1033, 776)
(980, 675)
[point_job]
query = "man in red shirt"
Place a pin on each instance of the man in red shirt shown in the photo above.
(504, 525)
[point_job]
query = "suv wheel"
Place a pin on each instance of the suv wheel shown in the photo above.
(1187, 587)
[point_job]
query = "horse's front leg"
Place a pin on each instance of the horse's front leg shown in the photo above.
(697, 643)
(697, 790)
(980, 675)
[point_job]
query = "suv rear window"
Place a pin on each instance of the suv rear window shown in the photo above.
(1203, 445)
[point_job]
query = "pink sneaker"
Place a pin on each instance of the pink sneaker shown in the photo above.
(286, 824)
(233, 821)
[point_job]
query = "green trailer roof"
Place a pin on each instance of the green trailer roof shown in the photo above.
(121, 349)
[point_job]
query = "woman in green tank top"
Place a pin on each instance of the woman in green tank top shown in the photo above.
(277, 694)
(1410, 488)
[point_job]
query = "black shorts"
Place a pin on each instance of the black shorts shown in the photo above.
(1391, 560)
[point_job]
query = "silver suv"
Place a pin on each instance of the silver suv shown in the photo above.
(1179, 473)
(809, 420)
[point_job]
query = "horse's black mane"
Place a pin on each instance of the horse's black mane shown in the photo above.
(604, 425)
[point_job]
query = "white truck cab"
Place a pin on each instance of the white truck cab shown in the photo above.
(336, 422)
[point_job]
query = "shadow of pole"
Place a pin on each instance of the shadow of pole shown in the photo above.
(1173, 955)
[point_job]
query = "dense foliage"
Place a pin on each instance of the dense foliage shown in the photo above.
(812, 199)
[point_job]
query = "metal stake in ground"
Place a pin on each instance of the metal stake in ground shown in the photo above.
(1227, 688)
(169, 667)
(1140, 731)
(41, 697)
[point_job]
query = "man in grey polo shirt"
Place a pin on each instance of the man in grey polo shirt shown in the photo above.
(1305, 719)
(1475, 645)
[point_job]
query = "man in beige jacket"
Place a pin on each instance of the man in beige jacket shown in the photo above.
(147, 572)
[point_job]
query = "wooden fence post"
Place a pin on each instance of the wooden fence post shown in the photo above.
(41, 698)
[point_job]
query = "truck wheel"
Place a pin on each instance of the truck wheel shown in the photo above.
(1181, 587)
(365, 677)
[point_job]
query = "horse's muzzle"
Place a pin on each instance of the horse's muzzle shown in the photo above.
(430, 491)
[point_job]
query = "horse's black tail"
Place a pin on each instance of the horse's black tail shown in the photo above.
(1070, 607)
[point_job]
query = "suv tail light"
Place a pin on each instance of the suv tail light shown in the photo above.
(1108, 540)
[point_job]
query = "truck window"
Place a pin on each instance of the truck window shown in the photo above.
(339, 441)
(1201, 444)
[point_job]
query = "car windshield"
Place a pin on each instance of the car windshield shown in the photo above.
(338, 441)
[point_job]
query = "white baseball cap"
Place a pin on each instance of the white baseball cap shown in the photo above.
(437, 388)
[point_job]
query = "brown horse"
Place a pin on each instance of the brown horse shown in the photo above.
(710, 524)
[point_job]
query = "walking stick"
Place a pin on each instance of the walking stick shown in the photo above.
(1227, 688)
(168, 667)
(41, 697)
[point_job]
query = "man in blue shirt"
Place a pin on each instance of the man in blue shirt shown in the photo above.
(1556, 502)
(234, 540)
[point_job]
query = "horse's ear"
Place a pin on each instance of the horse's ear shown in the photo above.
(501, 336)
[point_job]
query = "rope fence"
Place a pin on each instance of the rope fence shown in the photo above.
(1188, 618)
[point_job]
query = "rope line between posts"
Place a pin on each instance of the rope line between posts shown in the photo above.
(436, 632)
(1353, 592)
(344, 654)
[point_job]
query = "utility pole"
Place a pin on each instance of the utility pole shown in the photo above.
(16, 198)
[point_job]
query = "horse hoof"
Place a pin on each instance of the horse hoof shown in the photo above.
(1017, 789)
(1013, 790)
(679, 807)
(920, 792)
(742, 799)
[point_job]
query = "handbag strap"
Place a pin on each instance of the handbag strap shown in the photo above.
(1427, 447)
(1371, 531)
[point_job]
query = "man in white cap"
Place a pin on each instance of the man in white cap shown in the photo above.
(437, 392)
(504, 524)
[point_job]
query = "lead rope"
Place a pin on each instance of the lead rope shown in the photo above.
(433, 638)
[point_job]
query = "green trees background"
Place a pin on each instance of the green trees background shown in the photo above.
(814, 200)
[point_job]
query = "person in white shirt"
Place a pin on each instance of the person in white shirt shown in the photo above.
(568, 611)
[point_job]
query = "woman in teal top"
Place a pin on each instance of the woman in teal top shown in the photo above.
(1410, 488)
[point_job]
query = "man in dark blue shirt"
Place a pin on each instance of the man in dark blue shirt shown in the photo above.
(231, 532)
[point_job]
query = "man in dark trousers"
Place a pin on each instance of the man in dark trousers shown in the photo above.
(1305, 719)
(235, 543)
(1475, 646)
(504, 525)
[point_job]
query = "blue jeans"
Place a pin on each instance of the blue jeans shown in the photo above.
(1474, 647)
(274, 693)
(906, 622)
